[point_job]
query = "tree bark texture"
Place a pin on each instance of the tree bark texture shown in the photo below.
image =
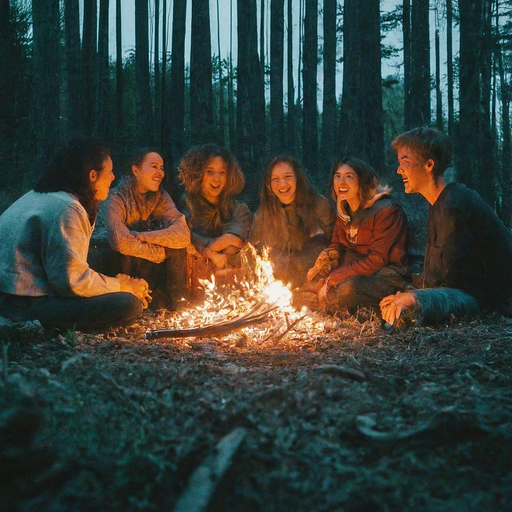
(419, 114)
(250, 94)
(143, 107)
(361, 125)
(89, 56)
(475, 166)
(176, 119)
(309, 96)
(46, 90)
(290, 114)
(276, 75)
(329, 110)
(201, 104)
(103, 111)
(73, 73)
(119, 71)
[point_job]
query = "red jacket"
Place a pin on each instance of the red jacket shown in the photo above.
(373, 238)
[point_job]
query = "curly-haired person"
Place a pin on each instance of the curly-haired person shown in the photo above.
(218, 222)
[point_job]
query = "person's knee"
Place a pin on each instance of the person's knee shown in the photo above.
(130, 307)
(345, 293)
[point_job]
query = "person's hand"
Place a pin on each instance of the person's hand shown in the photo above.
(335, 278)
(392, 306)
(322, 293)
(323, 264)
(218, 259)
(136, 286)
(224, 241)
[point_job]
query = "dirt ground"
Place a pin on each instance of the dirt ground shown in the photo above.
(348, 418)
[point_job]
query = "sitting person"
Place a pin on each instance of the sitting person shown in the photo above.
(469, 250)
(367, 258)
(219, 223)
(44, 274)
(293, 220)
(146, 228)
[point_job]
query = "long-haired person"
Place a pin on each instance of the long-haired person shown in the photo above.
(146, 228)
(293, 220)
(44, 274)
(367, 257)
(219, 223)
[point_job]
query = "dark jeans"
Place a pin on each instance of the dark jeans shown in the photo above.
(364, 291)
(167, 280)
(82, 313)
(292, 267)
(437, 305)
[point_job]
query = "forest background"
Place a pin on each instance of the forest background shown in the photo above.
(276, 89)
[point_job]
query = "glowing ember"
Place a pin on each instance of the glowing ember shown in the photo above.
(223, 303)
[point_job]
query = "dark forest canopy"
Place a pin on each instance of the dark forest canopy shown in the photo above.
(58, 80)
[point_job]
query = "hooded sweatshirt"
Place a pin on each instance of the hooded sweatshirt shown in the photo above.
(372, 237)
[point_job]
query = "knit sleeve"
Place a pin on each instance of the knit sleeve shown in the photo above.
(174, 234)
(64, 248)
(125, 241)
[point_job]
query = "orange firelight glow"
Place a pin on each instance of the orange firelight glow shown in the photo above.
(259, 287)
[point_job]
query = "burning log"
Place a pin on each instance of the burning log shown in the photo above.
(217, 329)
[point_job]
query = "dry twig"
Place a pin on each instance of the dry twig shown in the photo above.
(205, 478)
(250, 318)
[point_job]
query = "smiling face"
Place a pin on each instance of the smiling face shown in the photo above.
(214, 179)
(346, 186)
(412, 171)
(150, 173)
(101, 180)
(283, 182)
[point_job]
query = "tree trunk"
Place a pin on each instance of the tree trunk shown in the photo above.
(176, 119)
(506, 155)
(89, 55)
(164, 131)
(419, 114)
(250, 95)
(329, 96)
(439, 97)
(119, 72)
(488, 171)
(290, 115)
(157, 79)
(46, 89)
(309, 78)
(201, 108)
(231, 94)
(74, 83)
(276, 75)
(143, 109)
(406, 28)
(221, 85)
(103, 118)
(474, 148)
(362, 117)
(262, 39)
(449, 65)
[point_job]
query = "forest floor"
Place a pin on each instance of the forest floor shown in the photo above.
(348, 418)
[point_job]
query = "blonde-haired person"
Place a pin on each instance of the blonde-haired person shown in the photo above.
(368, 251)
(293, 220)
(219, 223)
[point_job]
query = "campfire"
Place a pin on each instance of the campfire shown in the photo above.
(257, 304)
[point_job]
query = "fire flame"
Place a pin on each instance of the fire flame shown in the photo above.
(222, 303)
